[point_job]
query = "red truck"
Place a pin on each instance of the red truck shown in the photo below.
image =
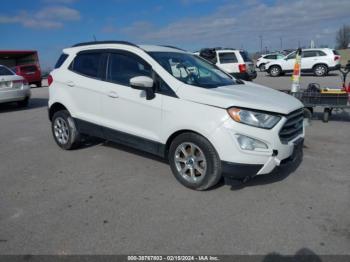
(24, 63)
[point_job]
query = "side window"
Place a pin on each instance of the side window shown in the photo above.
(270, 57)
(320, 53)
(122, 67)
(307, 54)
(87, 64)
(226, 58)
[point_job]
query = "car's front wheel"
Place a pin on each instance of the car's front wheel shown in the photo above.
(64, 130)
(194, 161)
(275, 71)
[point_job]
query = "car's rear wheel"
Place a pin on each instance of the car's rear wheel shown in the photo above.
(275, 71)
(262, 67)
(320, 70)
(194, 161)
(64, 130)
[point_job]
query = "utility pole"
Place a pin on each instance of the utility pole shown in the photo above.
(261, 48)
(281, 43)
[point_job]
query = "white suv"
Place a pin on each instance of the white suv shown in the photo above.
(320, 61)
(264, 59)
(176, 105)
(235, 62)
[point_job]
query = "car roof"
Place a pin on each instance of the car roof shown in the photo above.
(118, 44)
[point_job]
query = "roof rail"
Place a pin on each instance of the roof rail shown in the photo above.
(174, 47)
(104, 42)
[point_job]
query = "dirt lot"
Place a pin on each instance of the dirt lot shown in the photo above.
(109, 199)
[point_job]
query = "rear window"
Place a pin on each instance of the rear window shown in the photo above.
(61, 60)
(226, 58)
(5, 71)
(335, 52)
(245, 56)
(87, 64)
(29, 69)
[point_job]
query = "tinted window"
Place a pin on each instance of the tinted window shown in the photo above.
(270, 57)
(61, 60)
(5, 72)
(87, 64)
(335, 52)
(307, 54)
(245, 56)
(321, 53)
(29, 69)
(226, 58)
(122, 67)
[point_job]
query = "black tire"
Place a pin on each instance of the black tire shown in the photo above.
(320, 70)
(38, 84)
(212, 171)
(308, 113)
(73, 136)
(326, 114)
(23, 103)
(275, 71)
(262, 67)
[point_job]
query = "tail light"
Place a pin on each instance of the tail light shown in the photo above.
(49, 80)
(242, 68)
(337, 57)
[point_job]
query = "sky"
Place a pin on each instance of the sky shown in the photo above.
(51, 25)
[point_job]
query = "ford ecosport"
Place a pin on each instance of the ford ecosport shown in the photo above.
(176, 105)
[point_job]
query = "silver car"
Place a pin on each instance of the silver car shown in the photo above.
(13, 88)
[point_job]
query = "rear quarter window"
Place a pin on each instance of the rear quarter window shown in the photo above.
(61, 60)
(335, 52)
(87, 64)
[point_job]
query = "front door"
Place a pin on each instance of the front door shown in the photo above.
(124, 109)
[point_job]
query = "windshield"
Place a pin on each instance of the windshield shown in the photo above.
(192, 70)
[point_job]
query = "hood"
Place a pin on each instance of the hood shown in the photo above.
(248, 95)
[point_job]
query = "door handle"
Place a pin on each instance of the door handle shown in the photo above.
(113, 94)
(70, 83)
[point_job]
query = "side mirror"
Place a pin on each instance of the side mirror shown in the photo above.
(143, 83)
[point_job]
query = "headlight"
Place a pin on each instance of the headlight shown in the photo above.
(253, 118)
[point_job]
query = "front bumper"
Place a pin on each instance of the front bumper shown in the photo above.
(239, 163)
(14, 94)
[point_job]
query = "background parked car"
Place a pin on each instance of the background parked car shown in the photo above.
(264, 59)
(235, 62)
(320, 61)
(24, 63)
(13, 88)
(30, 72)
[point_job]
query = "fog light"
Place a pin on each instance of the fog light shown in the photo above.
(248, 143)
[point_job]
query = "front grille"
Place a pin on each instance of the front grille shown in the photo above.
(293, 126)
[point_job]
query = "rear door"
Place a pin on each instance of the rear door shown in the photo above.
(82, 82)
(309, 59)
